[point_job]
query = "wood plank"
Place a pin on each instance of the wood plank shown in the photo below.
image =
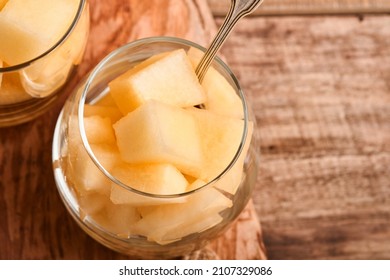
(33, 222)
(308, 7)
(320, 89)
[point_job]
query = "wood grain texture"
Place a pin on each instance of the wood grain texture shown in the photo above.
(33, 222)
(320, 89)
(308, 7)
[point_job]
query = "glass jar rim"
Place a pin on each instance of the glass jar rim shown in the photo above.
(72, 26)
(134, 44)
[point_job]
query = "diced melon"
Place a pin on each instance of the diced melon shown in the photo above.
(99, 130)
(196, 227)
(160, 224)
(195, 185)
(117, 219)
(105, 100)
(2, 3)
(221, 137)
(221, 96)
(232, 179)
(169, 79)
(11, 90)
(103, 111)
(30, 27)
(161, 133)
(88, 177)
(161, 179)
(91, 203)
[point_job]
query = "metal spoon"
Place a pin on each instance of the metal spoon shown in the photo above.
(238, 9)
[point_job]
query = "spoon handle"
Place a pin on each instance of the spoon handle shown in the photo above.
(238, 9)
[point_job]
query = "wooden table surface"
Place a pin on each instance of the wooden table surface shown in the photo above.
(320, 89)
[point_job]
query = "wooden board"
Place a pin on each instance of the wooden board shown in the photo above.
(33, 222)
(309, 7)
(320, 89)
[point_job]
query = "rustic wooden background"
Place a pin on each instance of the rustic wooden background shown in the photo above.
(320, 89)
(320, 86)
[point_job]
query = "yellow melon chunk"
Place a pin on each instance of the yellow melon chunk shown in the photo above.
(161, 224)
(220, 137)
(99, 130)
(198, 226)
(30, 27)
(103, 111)
(163, 179)
(105, 100)
(11, 90)
(221, 96)
(117, 219)
(91, 203)
(233, 178)
(161, 133)
(169, 79)
(88, 177)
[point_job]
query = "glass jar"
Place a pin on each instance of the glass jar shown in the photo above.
(168, 226)
(29, 87)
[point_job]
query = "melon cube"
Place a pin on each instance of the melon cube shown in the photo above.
(161, 133)
(30, 27)
(161, 179)
(233, 178)
(169, 79)
(117, 219)
(105, 100)
(91, 203)
(221, 137)
(87, 176)
(99, 130)
(11, 90)
(221, 96)
(185, 218)
(110, 112)
(196, 227)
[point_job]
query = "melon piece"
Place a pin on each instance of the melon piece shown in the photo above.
(233, 178)
(86, 175)
(97, 129)
(169, 79)
(105, 100)
(91, 203)
(221, 96)
(221, 137)
(117, 219)
(11, 90)
(161, 133)
(2, 3)
(161, 179)
(112, 113)
(167, 223)
(28, 28)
